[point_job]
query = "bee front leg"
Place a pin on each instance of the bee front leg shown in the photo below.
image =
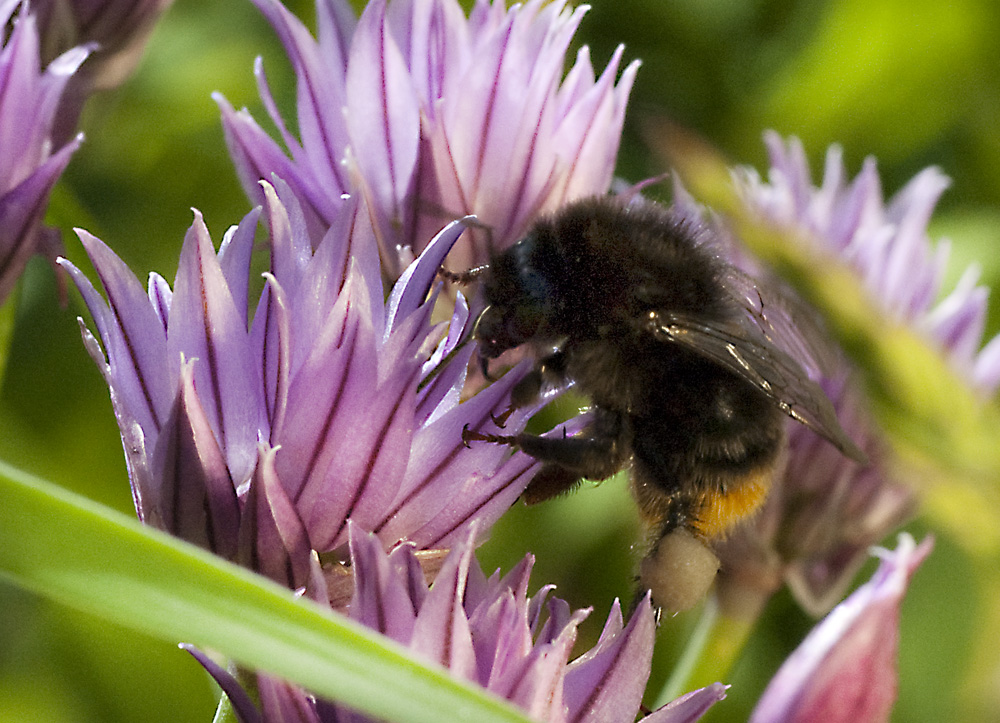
(549, 372)
(601, 450)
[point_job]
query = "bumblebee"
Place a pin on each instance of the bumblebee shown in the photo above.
(681, 363)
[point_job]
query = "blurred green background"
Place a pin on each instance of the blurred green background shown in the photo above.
(911, 83)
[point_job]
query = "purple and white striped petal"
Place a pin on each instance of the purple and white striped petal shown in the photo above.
(273, 539)
(434, 40)
(383, 116)
(235, 253)
(324, 134)
(21, 210)
(243, 706)
(609, 678)
(256, 156)
(283, 702)
(382, 596)
(195, 498)
(133, 336)
(335, 23)
(447, 482)
(441, 631)
(205, 325)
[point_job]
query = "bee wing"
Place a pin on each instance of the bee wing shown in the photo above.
(786, 321)
(747, 352)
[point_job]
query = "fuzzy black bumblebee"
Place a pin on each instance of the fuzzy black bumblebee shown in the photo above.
(687, 384)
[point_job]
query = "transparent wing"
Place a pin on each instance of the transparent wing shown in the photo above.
(744, 349)
(786, 321)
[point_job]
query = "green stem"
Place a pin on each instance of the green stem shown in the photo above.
(713, 648)
(8, 318)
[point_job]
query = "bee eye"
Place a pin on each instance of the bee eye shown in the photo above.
(487, 332)
(501, 328)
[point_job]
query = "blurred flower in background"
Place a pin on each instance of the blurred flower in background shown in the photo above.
(31, 161)
(433, 116)
(488, 631)
(116, 30)
(845, 671)
(824, 514)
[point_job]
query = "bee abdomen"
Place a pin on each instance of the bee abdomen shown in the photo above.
(718, 510)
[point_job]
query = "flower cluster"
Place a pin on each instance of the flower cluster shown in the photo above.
(433, 115)
(259, 436)
(488, 630)
(76, 43)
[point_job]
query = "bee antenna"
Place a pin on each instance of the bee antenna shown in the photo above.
(463, 277)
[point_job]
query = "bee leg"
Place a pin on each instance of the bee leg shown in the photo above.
(527, 390)
(599, 452)
(679, 565)
(469, 435)
(501, 419)
(463, 277)
(550, 481)
(549, 372)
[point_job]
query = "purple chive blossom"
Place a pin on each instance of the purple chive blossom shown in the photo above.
(434, 115)
(258, 436)
(116, 29)
(826, 511)
(30, 162)
(845, 669)
(488, 631)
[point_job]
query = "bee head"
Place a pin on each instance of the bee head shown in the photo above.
(519, 300)
(500, 328)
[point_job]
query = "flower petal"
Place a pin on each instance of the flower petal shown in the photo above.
(441, 632)
(244, 708)
(612, 676)
(381, 598)
(383, 114)
(690, 707)
(197, 500)
(845, 669)
(205, 324)
(134, 339)
(285, 703)
(272, 538)
(324, 136)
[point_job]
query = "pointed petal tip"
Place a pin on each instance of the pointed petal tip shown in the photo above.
(689, 707)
